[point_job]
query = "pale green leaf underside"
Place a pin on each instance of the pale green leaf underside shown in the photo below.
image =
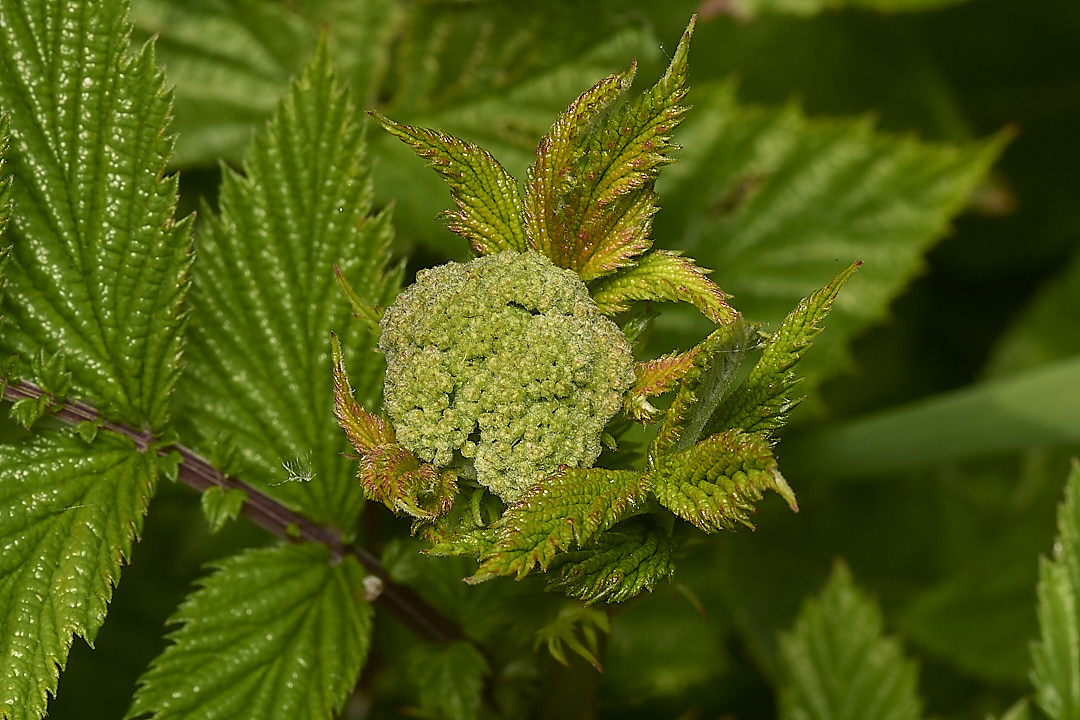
(1056, 656)
(449, 679)
(259, 375)
(620, 564)
(277, 632)
(98, 266)
(790, 201)
(69, 513)
(837, 664)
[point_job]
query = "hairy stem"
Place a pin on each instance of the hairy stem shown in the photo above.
(194, 470)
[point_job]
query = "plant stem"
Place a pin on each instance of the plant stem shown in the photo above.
(418, 615)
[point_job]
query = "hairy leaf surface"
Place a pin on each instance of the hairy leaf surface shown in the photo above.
(663, 275)
(838, 666)
(715, 483)
(98, 266)
(569, 508)
(69, 512)
(790, 200)
(763, 400)
(621, 563)
(267, 300)
(273, 632)
(1056, 656)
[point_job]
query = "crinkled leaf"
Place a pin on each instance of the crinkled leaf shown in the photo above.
(657, 376)
(489, 213)
(449, 679)
(624, 561)
(98, 266)
(663, 275)
(589, 200)
(267, 299)
(787, 200)
(568, 509)
(764, 399)
(364, 430)
(715, 483)
(1056, 656)
(69, 512)
(837, 664)
(273, 632)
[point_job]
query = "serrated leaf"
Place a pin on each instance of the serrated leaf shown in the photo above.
(577, 628)
(569, 508)
(5, 180)
(762, 402)
(220, 505)
(267, 297)
(837, 664)
(788, 199)
(98, 264)
(663, 275)
(489, 213)
(69, 513)
(623, 562)
(588, 199)
(449, 679)
(278, 632)
(715, 483)
(1056, 657)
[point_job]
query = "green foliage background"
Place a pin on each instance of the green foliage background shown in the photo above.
(943, 392)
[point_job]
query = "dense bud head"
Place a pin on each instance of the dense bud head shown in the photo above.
(506, 360)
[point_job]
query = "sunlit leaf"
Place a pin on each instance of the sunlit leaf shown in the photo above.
(69, 512)
(98, 265)
(663, 275)
(267, 299)
(274, 632)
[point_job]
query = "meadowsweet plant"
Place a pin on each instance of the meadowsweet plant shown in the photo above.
(504, 374)
(250, 333)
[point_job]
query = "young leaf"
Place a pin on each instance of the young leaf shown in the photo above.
(588, 199)
(715, 483)
(449, 679)
(220, 505)
(663, 275)
(489, 213)
(763, 400)
(838, 666)
(788, 197)
(273, 632)
(624, 561)
(268, 299)
(1056, 656)
(98, 266)
(572, 507)
(69, 512)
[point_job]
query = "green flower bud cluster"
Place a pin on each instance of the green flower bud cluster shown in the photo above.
(507, 361)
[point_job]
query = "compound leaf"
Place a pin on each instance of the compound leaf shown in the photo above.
(69, 512)
(624, 561)
(763, 400)
(449, 679)
(838, 666)
(1056, 656)
(268, 298)
(273, 632)
(569, 508)
(489, 213)
(715, 483)
(98, 265)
